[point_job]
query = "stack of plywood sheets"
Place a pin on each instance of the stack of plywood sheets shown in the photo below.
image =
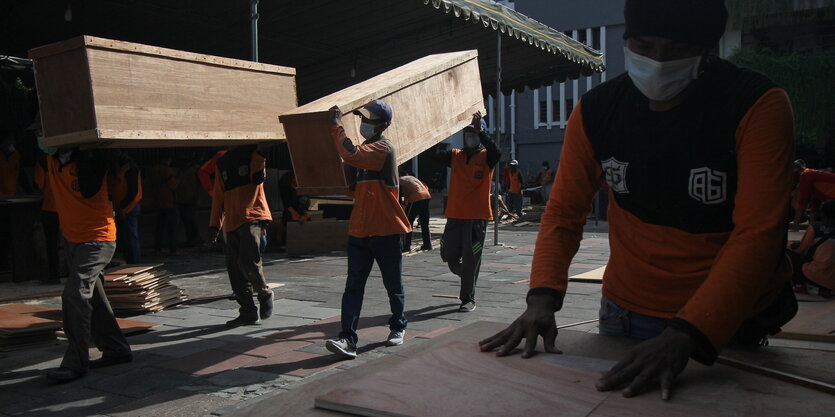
(317, 236)
(22, 325)
(107, 93)
(431, 98)
(141, 289)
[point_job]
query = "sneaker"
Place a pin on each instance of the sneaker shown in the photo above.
(396, 337)
(266, 303)
(426, 247)
(242, 321)
(341, 347)
(467, 307)
(62, 375)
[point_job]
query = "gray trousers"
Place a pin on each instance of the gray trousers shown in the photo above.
(243, 263)
(461, 248)
(87, 313)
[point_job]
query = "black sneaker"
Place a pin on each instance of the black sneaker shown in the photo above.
(242, 321)
(62, 375)
(426, 247)
(342, 347)
(266, 302)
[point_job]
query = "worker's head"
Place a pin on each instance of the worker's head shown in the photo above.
(546, 165)
(471, 140)
(514, 165)
(666, 41)
(799, 165)
(376, 117)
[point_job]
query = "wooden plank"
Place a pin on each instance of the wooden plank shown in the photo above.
(783, 376)
(320, 236)
(431, 98)
(595, 275)
(16, 324)
(106, 93)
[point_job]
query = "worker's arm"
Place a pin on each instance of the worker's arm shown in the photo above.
(369, 156)
(744, 267)
(216, 218)
(92, 167)
(443, 155)
(578, 179)
(493, 152)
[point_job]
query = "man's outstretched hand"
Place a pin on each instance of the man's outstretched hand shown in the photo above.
(537, 320)
(659, 359)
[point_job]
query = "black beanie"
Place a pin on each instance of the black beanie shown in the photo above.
(697, 22)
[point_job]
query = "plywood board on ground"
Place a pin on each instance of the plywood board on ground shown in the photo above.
(111, 93)
(431, 98)
(814, 321)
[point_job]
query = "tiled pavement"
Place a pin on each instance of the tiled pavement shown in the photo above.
(191, 365)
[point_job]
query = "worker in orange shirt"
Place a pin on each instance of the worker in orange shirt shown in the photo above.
(468, 206)
(417, 197)
(813, 258)
(376, 226)
(78, 180)
(711, 272)
(813, 188)
(49, 216)
(546, 179)
(239, 205)
(126, 191)
(514, 190)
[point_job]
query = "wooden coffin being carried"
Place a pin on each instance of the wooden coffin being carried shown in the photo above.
(431, 98)
(101, 92)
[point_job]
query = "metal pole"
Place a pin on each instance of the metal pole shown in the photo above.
(496, 124)
(253, 17)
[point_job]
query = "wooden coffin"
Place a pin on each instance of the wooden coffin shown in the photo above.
(431, 98)
(119, 94)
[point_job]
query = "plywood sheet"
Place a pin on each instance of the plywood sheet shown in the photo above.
(457, 380)
(595, 275)
(814, 321)
(19, 324)
(320, 236)
(120, 94)
(431, 98)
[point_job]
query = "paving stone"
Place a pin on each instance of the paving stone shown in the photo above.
(140, 382)
(171, 403)
(245, 377)
(67, 400)
(264, 347)
(209, 362)
(295, 363)
(179, 348)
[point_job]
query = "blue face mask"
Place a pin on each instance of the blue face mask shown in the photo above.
(47, 150)
(368, 130)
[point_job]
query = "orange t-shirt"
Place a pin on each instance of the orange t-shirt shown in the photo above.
(82, 219)
(42, 181)
(9, 170)
(711, 280)
(515, 183)
(413, 189)
(240, 201)
(469, 187)
(120, 189)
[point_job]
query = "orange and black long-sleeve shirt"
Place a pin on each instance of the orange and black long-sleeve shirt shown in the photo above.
(79, 186)
(697, 212)
(238, 196)
(471, 175)
(126, 187)
(413, 189)
(815, 187)
(373, 175)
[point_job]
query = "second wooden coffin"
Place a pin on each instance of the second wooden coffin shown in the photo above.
(431, 98)
(101, 92)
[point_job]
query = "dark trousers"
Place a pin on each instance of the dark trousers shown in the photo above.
(188, 213)
(127, 235)
(461, 248)
(514, 203)
(244, 266)
(87, 313)
(362, 252)
(52, 235)
(166, 231)
(419, 210)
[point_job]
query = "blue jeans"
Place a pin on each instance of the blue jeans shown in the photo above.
(618, 321)
(127, 230)
(362, 252)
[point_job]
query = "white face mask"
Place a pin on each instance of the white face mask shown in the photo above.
(367, 130)
(661, 81)
(471, 140)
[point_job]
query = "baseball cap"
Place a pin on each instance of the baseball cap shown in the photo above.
(376, 110)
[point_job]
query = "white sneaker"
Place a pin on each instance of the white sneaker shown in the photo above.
(396, 338)
(467, 307)
(341, 347)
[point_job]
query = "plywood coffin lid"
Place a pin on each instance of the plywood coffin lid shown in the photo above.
(137, 48)
(399, 78)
